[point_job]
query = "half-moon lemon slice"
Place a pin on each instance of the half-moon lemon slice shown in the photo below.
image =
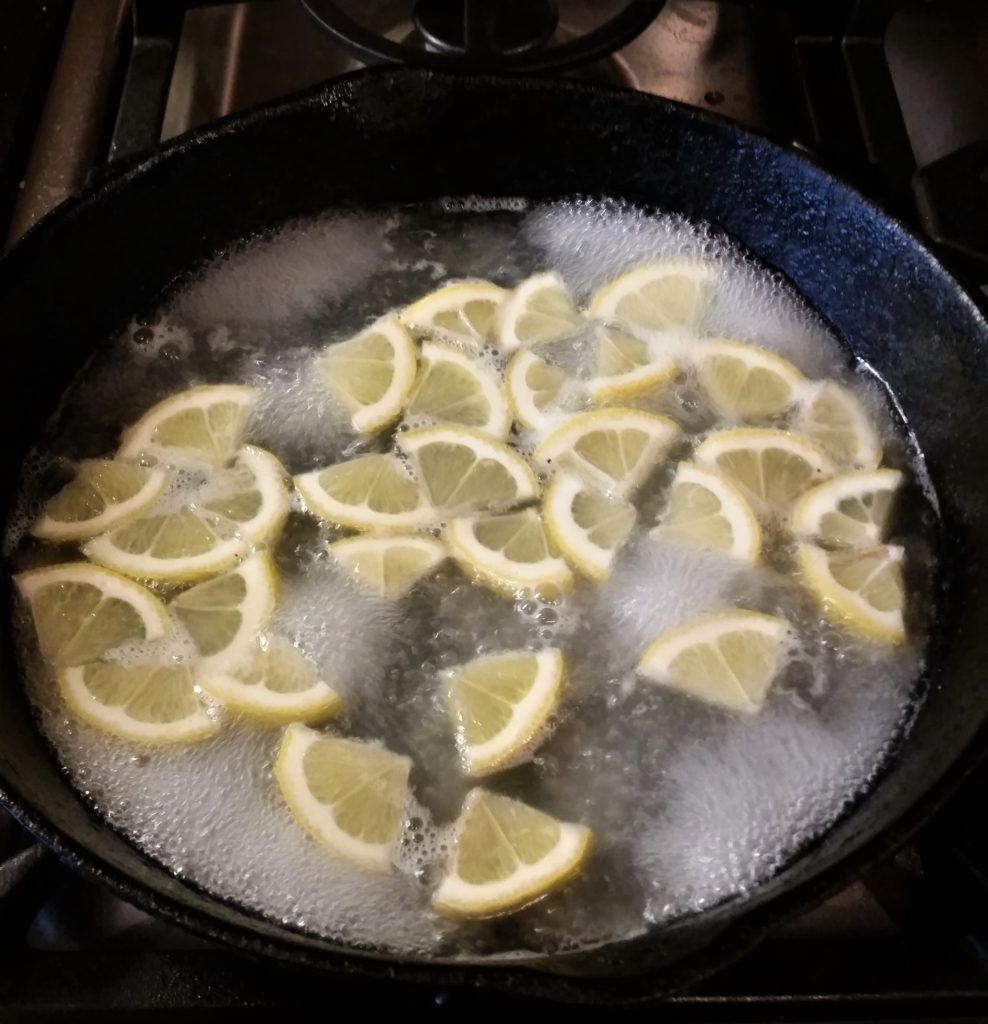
(203, 424)
(507, 855)
(500, 703)
(348, 795)
(81, 611)
(152, 704)
(728, 658)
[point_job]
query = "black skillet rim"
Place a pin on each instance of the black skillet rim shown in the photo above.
(736, 937)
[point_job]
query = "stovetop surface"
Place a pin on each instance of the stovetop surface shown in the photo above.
(886, 93)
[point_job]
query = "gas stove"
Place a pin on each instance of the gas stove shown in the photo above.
(887, 94)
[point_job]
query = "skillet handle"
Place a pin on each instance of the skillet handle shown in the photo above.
(156, 28)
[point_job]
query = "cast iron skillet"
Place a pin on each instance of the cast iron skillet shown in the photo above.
(384, 137)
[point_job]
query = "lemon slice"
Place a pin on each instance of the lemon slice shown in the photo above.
(501, 703)
(539, 310)
(274, 683)
(81, 611)
(707, 510)
(835, 418)
(224, 616)
(628, 367)
(465, 312)
(774, 466)
(728, 658)
(615, 448)
(657, 297)
(509, 551)
(150, 704)
(453, 387)
(851, 510)
(104, 494)
(463, 470)
(240, 507)
(175, 546)
(744, 382)
(203, 423)
(586, 525)
(389, 566)
(506, 855)
(252, 495)
(372, 374)
(370, 492)
(535, 388)
(861, 590)
(349, 796)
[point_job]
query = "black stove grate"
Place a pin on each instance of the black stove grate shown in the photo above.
(510, 36)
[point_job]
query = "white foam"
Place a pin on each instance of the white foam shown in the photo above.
(349, 632)
(296, 416)
(297, 271)
(736, 807)
(273, 867)
(591, 242)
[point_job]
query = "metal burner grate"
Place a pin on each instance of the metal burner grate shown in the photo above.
(515, 36)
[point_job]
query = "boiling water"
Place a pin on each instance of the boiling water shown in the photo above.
(689, 805)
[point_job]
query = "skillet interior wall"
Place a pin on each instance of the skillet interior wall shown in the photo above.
(386, 138)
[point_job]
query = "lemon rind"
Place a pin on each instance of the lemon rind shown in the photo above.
(499, 421)
(642, 380)
(418, 316)
(136, 440)
(187, 569)
(270, 477)
(261, 579)
(150, 608)
(526, 482)
(118, 514)
(324, 506)
(761, 439)
(664, 432)
(523, 409)
(317, 818)
(755, 357)
(869, 455)
(844, 607)
(377, 416)
(707, 628)
(528, 718)
(516, 303)
(814, 504)
(431, 546)
(455, 897)
(586, 557)
(115, 721)
(550, 577)
(747, 544)
(605, 300)
(317, 704)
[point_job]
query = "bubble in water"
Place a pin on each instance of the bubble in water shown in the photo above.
(296, 416)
